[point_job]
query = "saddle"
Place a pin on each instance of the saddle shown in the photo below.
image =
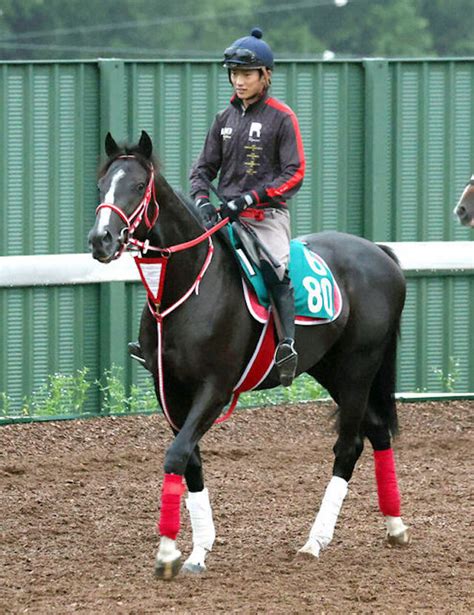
(318, 299)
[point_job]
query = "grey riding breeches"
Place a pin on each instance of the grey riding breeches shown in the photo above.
(274, 232)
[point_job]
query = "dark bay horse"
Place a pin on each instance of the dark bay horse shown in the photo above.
(464, 209)
(198, 352)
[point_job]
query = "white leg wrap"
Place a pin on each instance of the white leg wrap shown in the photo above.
(323, 527)
(202, 524)
(395, 525)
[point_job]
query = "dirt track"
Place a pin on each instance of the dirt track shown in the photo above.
(79, 503)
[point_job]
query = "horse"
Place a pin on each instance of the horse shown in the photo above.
(198, 336)
(464, 209)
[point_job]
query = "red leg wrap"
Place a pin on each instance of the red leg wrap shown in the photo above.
(387, 485)
(173, 489)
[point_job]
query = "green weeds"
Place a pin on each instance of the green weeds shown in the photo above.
(71, 394)
(450, 377)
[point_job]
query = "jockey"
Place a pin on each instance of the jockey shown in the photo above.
(255, 145)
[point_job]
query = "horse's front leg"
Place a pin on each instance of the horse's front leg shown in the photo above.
(200, 514)
(168, 558)
(205, 409)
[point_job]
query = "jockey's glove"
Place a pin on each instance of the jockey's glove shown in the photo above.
(207, 211)
(233, 208)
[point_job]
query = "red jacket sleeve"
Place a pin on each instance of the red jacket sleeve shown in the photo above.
(291, 154)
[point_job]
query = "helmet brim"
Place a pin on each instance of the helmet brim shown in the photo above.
(242, 65)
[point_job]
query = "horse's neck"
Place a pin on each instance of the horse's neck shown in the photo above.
(176, 225)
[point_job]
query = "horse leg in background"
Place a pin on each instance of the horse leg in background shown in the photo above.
(380, 424)
(386, 477)
(200, 513)
(352, 396)
(206, 407)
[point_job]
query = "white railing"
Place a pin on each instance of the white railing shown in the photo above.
(59, 269)
(66, 269)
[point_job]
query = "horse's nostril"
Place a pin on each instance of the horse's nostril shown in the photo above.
(104, 237)
(460, 210)
(100, 241)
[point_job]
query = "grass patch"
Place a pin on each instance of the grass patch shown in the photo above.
(304, 388)
(66, 395)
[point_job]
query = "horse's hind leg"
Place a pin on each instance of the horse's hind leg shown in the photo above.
(386, 477)
(380, 424)
(347, 449)
(351, 389)
(200, 513)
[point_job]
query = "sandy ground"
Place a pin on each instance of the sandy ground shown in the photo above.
(79, 504)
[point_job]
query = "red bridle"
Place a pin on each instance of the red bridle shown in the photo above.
(141, 211)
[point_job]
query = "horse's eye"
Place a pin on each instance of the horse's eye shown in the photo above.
(141, 187)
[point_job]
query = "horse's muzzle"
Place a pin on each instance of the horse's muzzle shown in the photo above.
(103, 246)
(464, 215)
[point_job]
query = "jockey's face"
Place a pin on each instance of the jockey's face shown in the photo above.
(248, 84)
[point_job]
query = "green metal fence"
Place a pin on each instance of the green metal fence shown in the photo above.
(389, 146)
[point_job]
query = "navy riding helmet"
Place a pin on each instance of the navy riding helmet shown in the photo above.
(249, 52)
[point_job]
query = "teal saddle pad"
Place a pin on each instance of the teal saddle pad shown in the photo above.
(316, 292)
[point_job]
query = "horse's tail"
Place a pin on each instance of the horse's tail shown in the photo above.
(382, 393)
(389, 252)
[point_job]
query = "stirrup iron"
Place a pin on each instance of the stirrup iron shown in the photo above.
(135, 351)
(286, 361)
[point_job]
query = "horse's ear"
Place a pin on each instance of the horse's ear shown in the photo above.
(111, 147)
(145, 145)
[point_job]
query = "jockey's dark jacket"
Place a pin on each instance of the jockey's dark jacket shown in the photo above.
(257, 150)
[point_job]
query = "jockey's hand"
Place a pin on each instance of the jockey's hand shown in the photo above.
(207, 212)
(233, 208)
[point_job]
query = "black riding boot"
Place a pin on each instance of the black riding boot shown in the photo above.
(286, 357)
(135, 351)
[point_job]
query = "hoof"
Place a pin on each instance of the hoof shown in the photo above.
(399, 540)
(311, 548)
(194, 569)
(167, 570)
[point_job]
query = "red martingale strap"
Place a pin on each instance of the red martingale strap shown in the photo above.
(152, 272)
